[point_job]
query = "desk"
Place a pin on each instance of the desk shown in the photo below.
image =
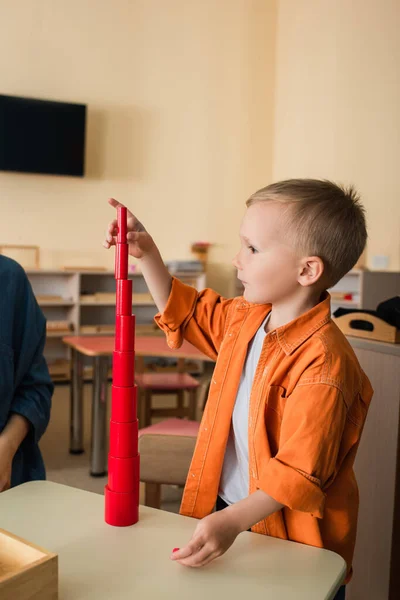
(100, 348)
(100, 562)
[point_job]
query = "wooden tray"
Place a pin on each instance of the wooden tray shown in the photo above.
(27, 572)
(380, 331)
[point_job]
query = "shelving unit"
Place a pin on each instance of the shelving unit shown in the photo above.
(85, 300)
(367, 288)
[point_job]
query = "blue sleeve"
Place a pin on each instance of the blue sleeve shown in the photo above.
(33, 386)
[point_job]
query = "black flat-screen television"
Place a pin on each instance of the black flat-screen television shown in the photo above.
(42, 136)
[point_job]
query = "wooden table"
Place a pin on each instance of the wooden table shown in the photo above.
(100, 349)
(100, 562)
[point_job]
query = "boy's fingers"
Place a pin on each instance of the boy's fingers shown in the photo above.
(133, 236)
(113, 202)
(112, 226)
(200, 558)
(108, 243)
(112, 230)
(186, 551)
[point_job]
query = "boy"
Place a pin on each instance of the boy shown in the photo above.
(288, 399)
(25, 385)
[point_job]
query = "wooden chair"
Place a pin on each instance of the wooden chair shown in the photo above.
(166, 450)
(150, 384)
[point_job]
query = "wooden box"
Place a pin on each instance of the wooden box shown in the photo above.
(27, 572)
(377, 329)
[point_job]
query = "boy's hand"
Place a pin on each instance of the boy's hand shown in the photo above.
(217, 532)
(140, 242)
(212, 538)
(6, 458)
(142, 246)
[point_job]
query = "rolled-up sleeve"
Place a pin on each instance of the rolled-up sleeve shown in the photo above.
(33, 386)
(32, 398)
(311, 433)
(198, 317)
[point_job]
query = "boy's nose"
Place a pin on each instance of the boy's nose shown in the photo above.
(236, 262)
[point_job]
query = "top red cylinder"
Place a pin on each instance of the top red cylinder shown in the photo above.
(122, 224)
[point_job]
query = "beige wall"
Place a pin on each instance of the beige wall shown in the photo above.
(181, 100)
(180, 118)
(337, 104)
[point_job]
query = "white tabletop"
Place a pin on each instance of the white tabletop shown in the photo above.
(100, 562)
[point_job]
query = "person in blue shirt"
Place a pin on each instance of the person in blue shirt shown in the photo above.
(25, 385)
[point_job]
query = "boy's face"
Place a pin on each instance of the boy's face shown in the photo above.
(267, 264)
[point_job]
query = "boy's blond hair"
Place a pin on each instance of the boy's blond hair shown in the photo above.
(324, 220)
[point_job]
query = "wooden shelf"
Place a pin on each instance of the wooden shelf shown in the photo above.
(47, 272)
(109, 299)
(149, 329)
(56, 303)
(369, 288)
(56, 327)
(59, 334)
(113, 304)
(97, 303)
(346, 303)
(97, 329)
(100, 329)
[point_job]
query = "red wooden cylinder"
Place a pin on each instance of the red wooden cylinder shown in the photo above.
(124, 297)
(121, 509)
(123, 369)
(124, 439)
(125, 333)
(123, 473)
(122, 224)
(123, 404)
(121, 261)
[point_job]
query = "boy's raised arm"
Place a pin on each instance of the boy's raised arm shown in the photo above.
(184, 313)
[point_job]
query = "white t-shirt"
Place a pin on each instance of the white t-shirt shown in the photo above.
(234, 483)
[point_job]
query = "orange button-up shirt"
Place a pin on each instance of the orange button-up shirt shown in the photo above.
(308, 405)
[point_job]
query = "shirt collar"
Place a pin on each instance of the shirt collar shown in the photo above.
(294, 333)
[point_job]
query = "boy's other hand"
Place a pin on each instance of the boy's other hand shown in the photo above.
(140, 242)
(212, 538)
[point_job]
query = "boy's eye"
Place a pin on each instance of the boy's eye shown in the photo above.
(252, 249)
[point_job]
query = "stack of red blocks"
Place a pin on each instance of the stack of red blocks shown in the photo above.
(122, 491)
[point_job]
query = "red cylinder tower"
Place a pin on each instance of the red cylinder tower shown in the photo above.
(122, 492)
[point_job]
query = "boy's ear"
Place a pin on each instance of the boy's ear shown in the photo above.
(312, 269)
